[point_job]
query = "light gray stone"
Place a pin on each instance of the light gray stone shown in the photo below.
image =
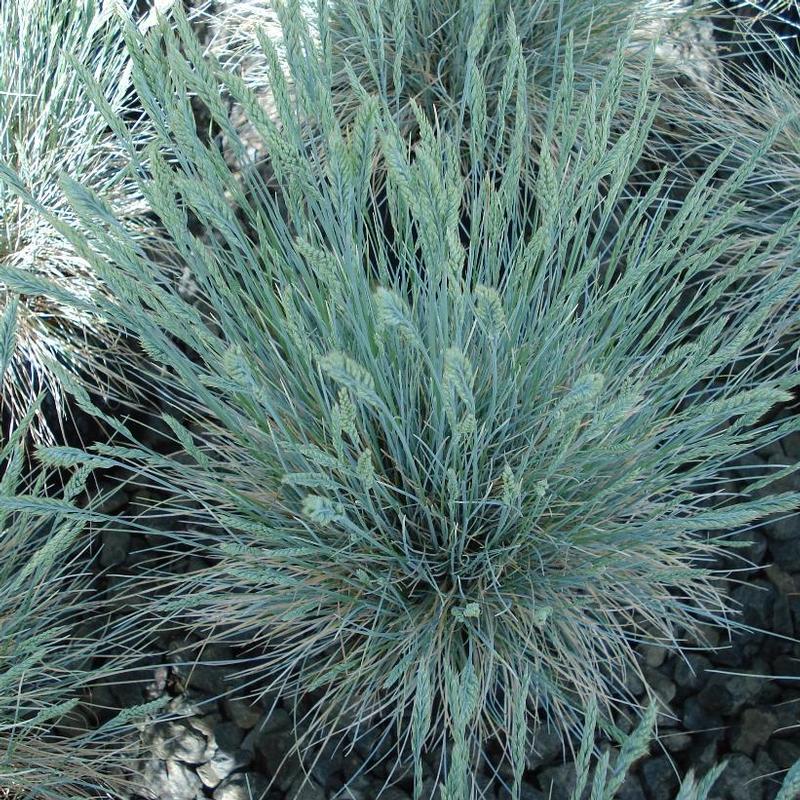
(170, 780)
(206, 725)
(178, 741)
(242, 786)
(219, 767)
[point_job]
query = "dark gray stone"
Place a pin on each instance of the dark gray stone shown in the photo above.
(242, 786)
(203, 678)
(782, 622)
(740, 780)
(667, 717)
(785, 583)
(558, 783)
(430, 788)
(659, 778)
(706, 753)
(754, 729)
(115, 547)
(749, 467)
(787, 670)
(784, 529)
(756, 599)
(696, 717)
(771, 775)
(305, 789)
(227, 735)
(675, 742)
(663, 687)
(786, 554)
(749, 550)
(784, 752)
(243, 713)
(395, 793)
(129, 688)
(653, 654)
(547, 747)
(728, 694)
(275, 753)
(76, 722)
(704, 636)
(114, 498)
(155, 520)
(325, 763)
(690, 671)
(631, 789)
(205, 670)
(715, 697)
(633, 684)
(625, 721)
(527, 792)
(787, 712)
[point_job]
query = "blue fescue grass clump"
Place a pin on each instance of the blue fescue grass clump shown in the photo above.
(49, 123)
(52, 631)
(458, 447)
(461, 60)
(603, 775)
(731, 121)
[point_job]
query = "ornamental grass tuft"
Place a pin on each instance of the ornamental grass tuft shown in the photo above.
(55, 642)
(746, 115)
(464, 61)
(51, 123)
(454, 447)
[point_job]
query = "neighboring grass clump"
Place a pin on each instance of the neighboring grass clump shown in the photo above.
(52, 646)
(604, 775)
(454, 468)
(455, 60)
(460, 60)
(750, 116)
(50, 124)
